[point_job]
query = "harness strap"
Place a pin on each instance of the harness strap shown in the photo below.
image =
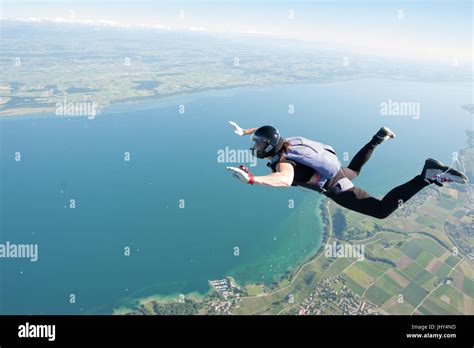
(338, 183)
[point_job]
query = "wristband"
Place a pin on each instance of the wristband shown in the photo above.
(251, 179)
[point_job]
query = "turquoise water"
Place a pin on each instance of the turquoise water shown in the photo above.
(174, 157)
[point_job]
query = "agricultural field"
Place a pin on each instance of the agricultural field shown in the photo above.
(411, 265)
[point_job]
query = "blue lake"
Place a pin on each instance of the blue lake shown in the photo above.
(173, 160)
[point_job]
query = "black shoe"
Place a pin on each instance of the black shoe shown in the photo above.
(436, 172)
(383, 134)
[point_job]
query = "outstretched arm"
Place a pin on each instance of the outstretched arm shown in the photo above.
(240, 131)
(249, 131)
(283, 177)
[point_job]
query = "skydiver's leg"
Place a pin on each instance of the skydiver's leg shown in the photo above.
(349, 173)
(360, 201)
(364, 154)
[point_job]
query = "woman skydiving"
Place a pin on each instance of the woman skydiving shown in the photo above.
(297, 161)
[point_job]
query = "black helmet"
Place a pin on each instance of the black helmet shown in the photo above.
(267, 141)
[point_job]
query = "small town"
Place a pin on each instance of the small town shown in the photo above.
(332, 296)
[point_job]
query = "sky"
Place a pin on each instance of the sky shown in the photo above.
(421, 29)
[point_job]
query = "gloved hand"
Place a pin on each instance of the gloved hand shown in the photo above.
(237, 129)
(243, 174)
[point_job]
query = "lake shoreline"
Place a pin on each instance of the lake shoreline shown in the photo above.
(322, 209)
(42, 111)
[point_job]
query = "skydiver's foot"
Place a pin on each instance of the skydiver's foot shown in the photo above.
(383, 134)
(436, 172)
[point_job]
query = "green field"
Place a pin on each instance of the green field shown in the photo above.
(389, 285)
(411, 249)
(455, 297)
(468, 286)
(411, 269)
(374, 269)
(433, 305)
(414, 293)
(429, 245)
(359, 276)
(447, 203)
(452, 260)
(443, 270)
(358, 289)
(422, 277)
(425, 220)
(377, 295)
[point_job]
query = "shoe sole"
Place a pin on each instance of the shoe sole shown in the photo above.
(438, 165)
(388, 132)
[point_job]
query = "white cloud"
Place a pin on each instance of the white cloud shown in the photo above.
(197, 28)
(90, 22)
